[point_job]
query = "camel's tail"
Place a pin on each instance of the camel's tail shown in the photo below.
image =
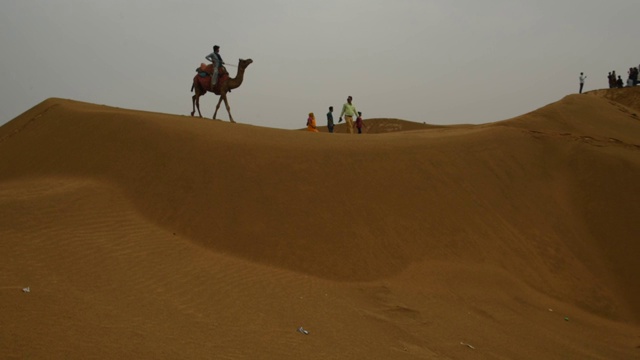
(193, 84)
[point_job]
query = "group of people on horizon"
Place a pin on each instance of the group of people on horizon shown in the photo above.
(348, 113)
(617, 82)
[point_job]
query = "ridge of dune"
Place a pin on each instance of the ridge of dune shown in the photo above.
(629, 97)
(585, 115)
(383, 126)
(541, 208)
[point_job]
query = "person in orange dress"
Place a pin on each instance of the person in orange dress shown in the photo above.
(311, 123)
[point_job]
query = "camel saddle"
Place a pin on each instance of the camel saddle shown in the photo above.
(205, 71)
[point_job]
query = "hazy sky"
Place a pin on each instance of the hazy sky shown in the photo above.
(433, 61)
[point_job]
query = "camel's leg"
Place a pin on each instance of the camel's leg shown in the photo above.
(195, 101)
(198, 105)
(217, 107)
(226, 104)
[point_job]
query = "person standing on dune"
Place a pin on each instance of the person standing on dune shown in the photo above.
(330, 124)
(582, 78)
(348, 111)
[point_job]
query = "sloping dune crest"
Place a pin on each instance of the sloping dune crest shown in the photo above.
(153, 235)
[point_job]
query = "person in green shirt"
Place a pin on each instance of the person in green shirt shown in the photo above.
(348, 111)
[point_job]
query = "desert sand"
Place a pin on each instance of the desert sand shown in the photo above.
(135, 235)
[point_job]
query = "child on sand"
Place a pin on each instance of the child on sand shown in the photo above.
(360, 123)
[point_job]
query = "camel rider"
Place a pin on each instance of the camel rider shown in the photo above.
(217, 61)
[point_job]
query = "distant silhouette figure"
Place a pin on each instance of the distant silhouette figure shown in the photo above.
(582, 78)
(619, 82)
(633, 77)
(612, 80)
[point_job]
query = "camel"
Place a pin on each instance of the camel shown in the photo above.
(231, 83)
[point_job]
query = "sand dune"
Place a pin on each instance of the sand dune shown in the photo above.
(146, 235)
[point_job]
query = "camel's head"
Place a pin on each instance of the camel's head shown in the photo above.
(244, 63)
